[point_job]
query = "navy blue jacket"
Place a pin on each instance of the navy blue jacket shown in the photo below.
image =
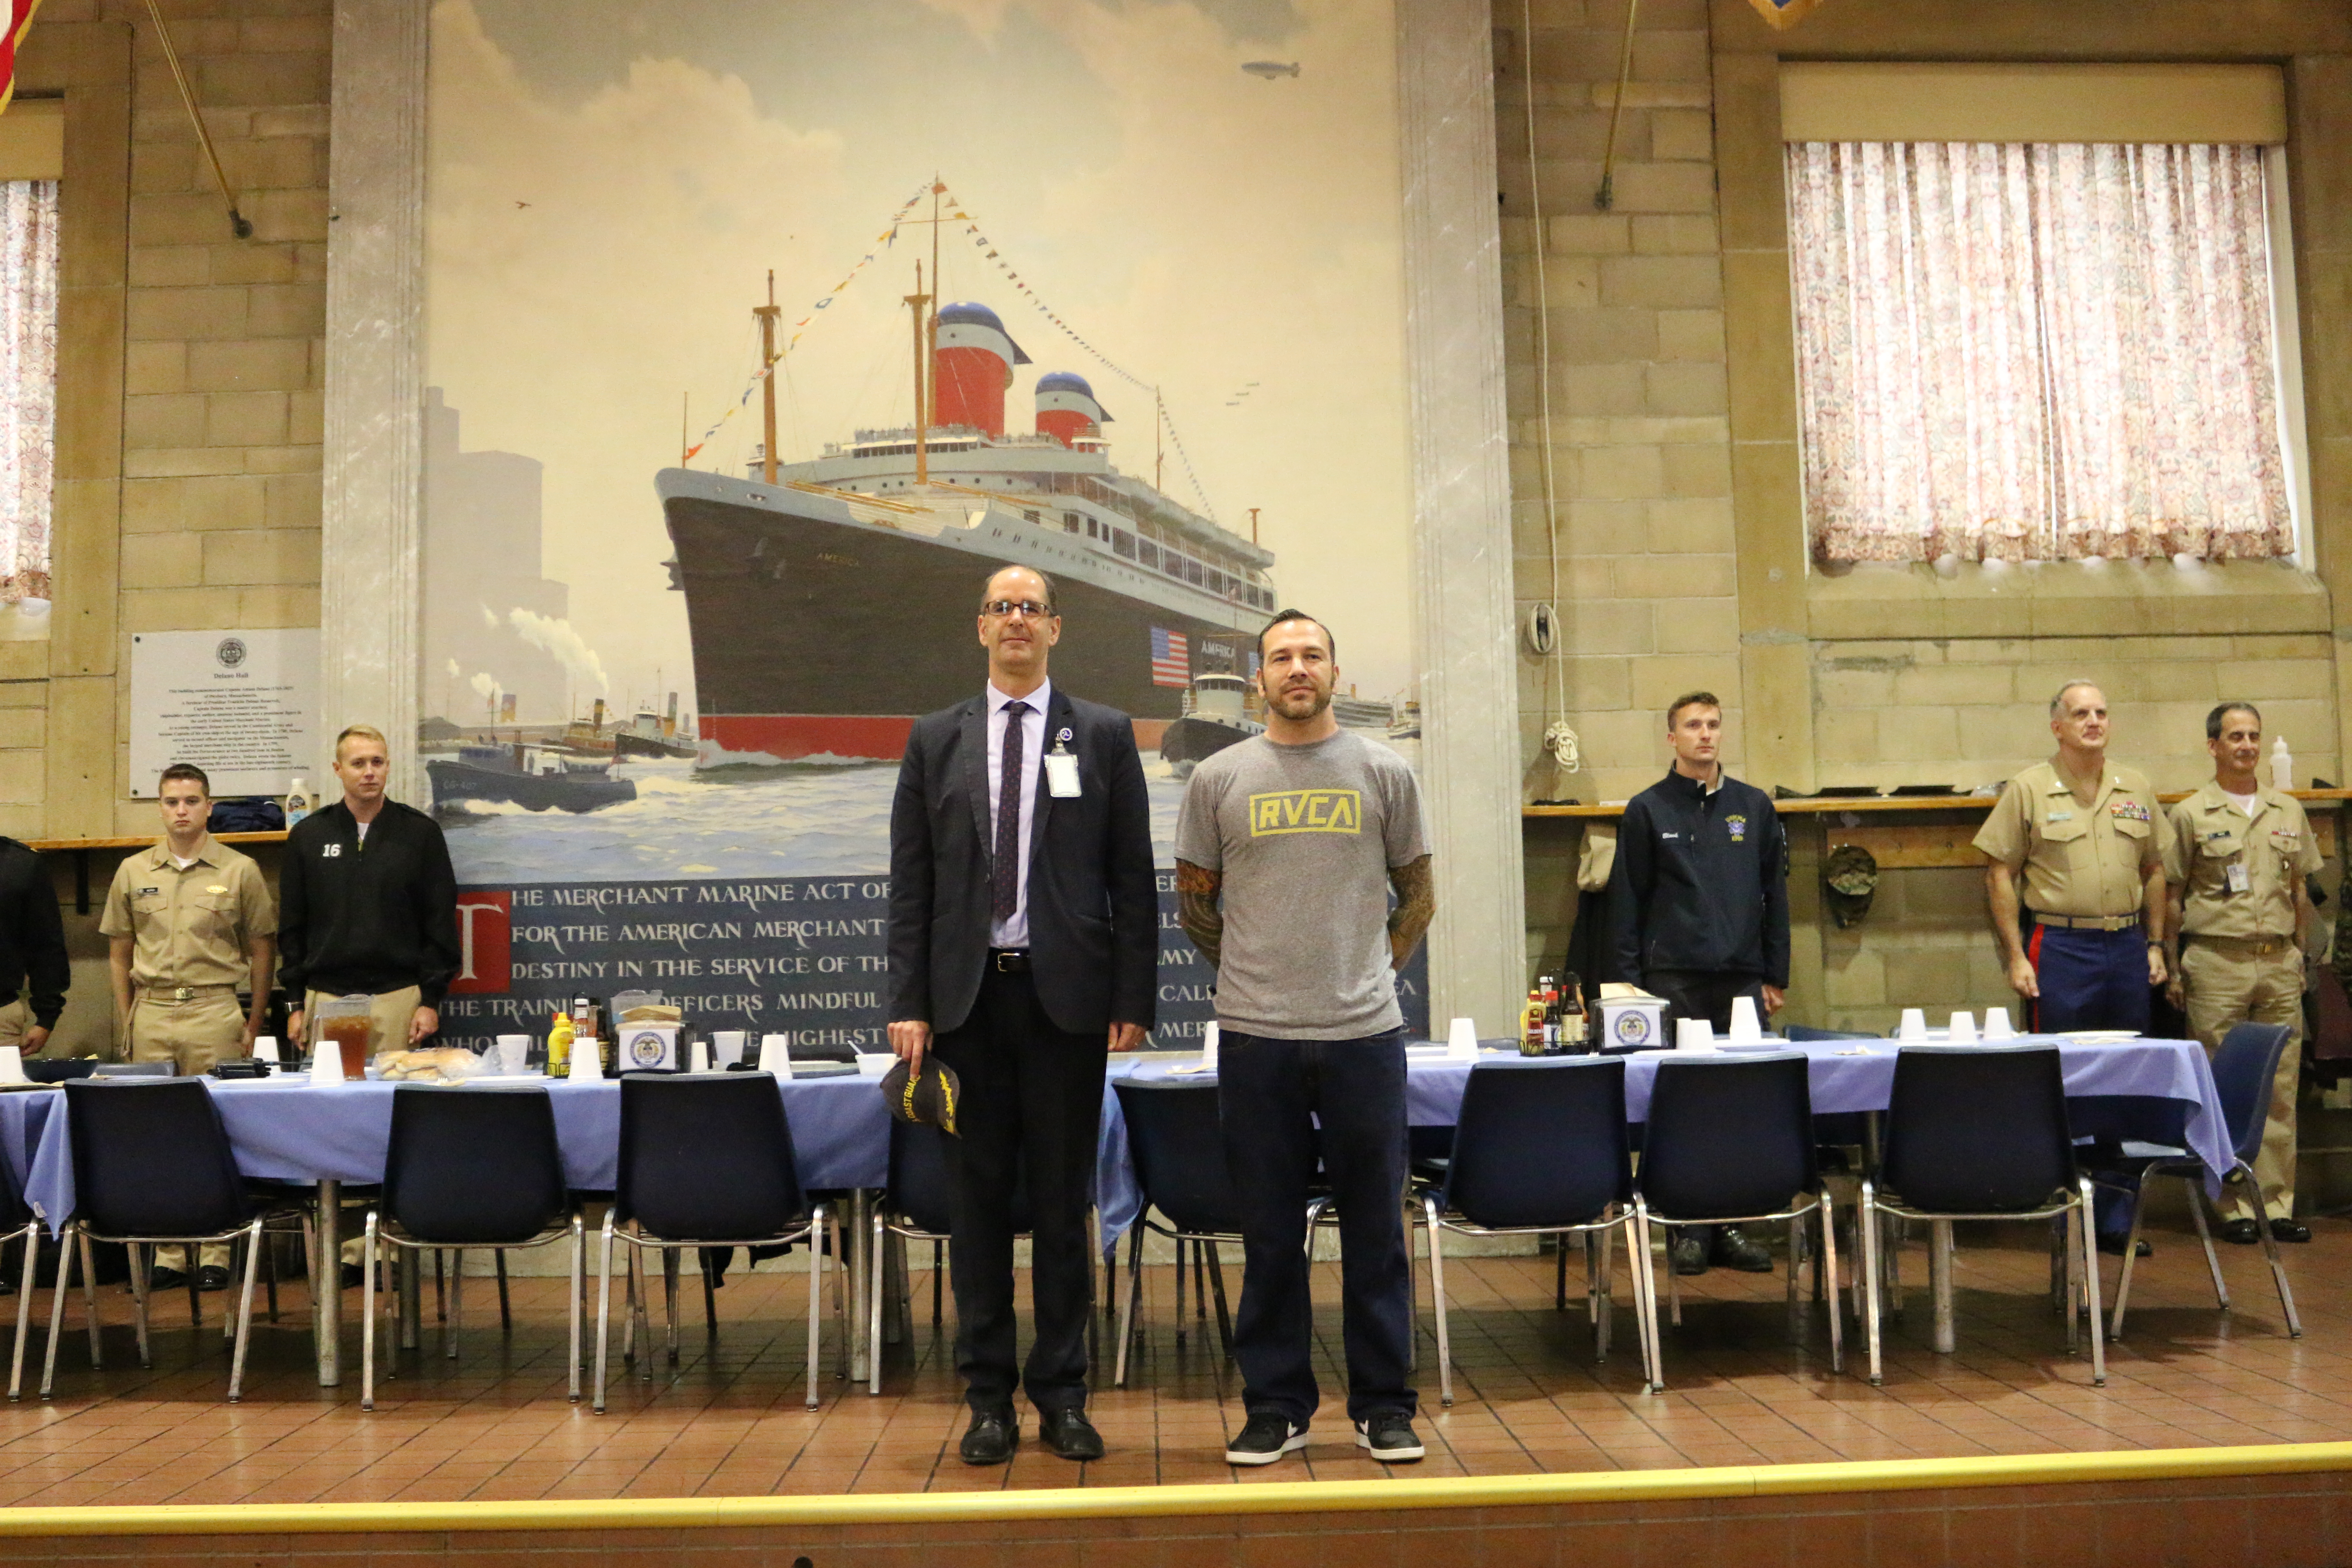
(1701, 882)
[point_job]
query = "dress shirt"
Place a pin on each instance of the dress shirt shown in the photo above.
(1015, 932)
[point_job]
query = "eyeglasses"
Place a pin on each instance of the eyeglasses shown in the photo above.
(1001, 609)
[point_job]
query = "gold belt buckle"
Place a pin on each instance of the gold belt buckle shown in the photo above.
(182, 993)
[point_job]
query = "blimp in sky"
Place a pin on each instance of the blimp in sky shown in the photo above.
(1269, 70)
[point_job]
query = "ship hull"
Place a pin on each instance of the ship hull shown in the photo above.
(819, 636)
(574, 791)
(625, 744)
(1194, 740)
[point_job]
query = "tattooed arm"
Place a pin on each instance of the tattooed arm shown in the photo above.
(1416, 892)
(1196, 908)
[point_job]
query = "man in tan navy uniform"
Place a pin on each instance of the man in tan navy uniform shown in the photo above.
(2088, 839)
(187, 922)
(2240, 912)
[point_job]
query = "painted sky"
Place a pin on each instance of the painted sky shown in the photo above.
(611, 181)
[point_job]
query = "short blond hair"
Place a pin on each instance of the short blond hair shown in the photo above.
(360, 733)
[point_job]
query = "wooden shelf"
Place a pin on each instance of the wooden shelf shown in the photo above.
(143, 841)
(1813, 805)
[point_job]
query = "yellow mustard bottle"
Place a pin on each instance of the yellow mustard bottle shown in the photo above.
(559, 1046)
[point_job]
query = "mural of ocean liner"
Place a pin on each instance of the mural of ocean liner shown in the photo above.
(830, 602)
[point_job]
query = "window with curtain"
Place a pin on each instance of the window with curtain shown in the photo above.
(29, 383)
(2032, 352)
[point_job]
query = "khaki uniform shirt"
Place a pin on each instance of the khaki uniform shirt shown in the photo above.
(2078, 860)
(190, 927)
(2275, 847)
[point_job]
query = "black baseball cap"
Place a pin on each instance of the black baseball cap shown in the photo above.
(927, 1098)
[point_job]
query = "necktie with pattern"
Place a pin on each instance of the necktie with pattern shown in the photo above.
(1005, 867)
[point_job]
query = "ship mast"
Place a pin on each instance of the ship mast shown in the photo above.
(768, 314)
(1159, 440)
(916, 306)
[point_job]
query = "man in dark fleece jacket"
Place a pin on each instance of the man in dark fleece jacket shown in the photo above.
(368, 905)
(1699, 898)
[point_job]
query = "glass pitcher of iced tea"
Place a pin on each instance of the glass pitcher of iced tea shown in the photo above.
(344, 1026)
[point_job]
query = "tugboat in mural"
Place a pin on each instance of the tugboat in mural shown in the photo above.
(1216, 714)
(652, 734)
(795, 574)
(535, 777)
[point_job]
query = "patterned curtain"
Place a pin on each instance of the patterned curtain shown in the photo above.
(2035, 351)
(29, 383)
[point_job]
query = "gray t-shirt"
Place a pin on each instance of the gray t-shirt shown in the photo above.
(1305, 837)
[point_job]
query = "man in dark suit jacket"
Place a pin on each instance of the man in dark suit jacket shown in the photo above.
(1024, 946)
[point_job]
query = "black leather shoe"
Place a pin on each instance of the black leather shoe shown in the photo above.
(1069, 1433)
(2112, 1245)
(2289, 1230)
(992, 1438)
(2240, 1232)
(1735, 1250)
(166, 1279)
(353, 1275)
(1687, 1254)
(212, 1277)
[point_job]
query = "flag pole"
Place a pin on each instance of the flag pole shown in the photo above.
(237, 222)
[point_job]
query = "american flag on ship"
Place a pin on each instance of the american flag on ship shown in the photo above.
(1171, 661)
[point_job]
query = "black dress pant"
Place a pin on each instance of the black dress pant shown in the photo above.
(1032, 1097)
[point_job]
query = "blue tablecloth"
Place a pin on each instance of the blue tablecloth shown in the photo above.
(285, 1130)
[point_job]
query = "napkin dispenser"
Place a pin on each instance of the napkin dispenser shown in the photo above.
(1632, 1020)
(648, 1048)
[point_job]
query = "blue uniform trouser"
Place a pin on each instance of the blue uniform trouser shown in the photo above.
(2092, 980)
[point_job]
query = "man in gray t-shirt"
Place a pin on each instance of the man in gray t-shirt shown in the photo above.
(1287, 848)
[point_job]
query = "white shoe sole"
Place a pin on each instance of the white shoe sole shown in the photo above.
(1363, 1440)
(1291, 1445)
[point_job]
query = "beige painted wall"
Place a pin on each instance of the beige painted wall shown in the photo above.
(1682, 558)
(189, 386)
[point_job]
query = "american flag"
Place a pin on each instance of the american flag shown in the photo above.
(1171, 661)
(19, 22)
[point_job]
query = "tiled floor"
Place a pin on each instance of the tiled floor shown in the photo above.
(495, 1424)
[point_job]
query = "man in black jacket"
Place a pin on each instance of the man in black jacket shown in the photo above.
(1700, 898)
(33, 968)
(1024, 944)
(368, 904)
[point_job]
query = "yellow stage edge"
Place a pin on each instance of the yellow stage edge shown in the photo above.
(1231, 1500)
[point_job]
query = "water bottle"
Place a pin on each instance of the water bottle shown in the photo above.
(2281, 765)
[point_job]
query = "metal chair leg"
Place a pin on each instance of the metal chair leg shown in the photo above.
(1179, 1276)
(455, 1304)
(603, 1308)
(367, 1313)
(1128, 1310)
(441, 1286)
(245, 1313)
(2131, 1255)
(1868, 1227)
(2091, 1289)
(1437, 1295)
(89, 1295)
(669, 1302)
(2271, 1251)
(709, 1294)
(816, 1295)
(873, 1326)
(57, 1307)
(142, 1280)
(1201, 1286)
(1645, 1289)
(573, 1303)
(1217, 1290)
(31, 1237)
(1827, 1260)
(506, 1309)
(2205, 1238)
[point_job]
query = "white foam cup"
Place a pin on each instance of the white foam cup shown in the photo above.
(587, 1060)
(727, 1045)
(513, 1050)
(1964, 1029)
(327, 1063)
(699, 1058)
(775, 1054)
(12, 1065)
(1209, 1045)
(1744, 1024)
(1694, 1035)
(1913, 1026)
(264, 1047)
(1462, 1040)
(1996, 1025)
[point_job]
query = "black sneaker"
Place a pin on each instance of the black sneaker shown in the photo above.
(1390, 1438)
(1265, 1437)
(212, 1277)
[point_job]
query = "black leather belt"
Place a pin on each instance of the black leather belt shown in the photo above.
(1009, 960)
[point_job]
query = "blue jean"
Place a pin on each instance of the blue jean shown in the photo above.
(1270, 1093)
